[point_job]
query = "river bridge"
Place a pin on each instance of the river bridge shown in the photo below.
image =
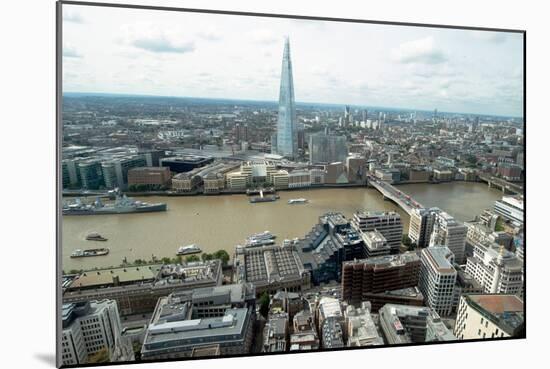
(505, 186)
(404, 201)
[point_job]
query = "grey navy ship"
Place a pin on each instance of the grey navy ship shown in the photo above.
(122, 205)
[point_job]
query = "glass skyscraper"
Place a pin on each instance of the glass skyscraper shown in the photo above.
(287, 136)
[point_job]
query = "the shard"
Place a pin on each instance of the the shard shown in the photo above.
(287, 136)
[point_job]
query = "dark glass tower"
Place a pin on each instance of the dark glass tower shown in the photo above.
(287, 136)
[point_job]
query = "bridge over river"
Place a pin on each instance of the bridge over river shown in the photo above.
(403, 200)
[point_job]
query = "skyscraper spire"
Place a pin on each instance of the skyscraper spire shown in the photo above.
(287, 140)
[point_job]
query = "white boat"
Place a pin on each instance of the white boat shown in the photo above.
(256, 242)
(266, 235)
(297, 201)
(189, 249)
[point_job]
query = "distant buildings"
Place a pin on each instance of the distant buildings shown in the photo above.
(437, 278)
(257, 173)
(489, 316)
(379, 279)
(149, 178)
(325, 148)
(387, 223)
(287, 132)
(180, 164)
(90, 329)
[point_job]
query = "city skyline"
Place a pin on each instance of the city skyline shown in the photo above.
(473, 72)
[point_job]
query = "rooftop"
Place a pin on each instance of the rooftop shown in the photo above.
(439, 256)
(91, 278)
(506, 311)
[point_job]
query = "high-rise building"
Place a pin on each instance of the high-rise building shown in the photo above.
(287, 135)
(496, 269)
(387, 223)
(90, 174)
(451, 233)
(437, 278)
(90, 328)
(421, 226)
(369, 279)
(511, 208)
(489, 316)
(325, 148)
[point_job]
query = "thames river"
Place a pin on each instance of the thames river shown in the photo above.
(221, 222)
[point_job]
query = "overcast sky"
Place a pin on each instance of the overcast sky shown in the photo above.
(210, 55)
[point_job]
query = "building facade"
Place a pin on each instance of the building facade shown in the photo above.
(438, 278)
(287, 133)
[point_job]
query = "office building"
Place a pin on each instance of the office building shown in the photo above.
(289, 302)
(287, 132)
(490, 316)
(356, 167)
(90, 328)
(299, 179)
(361, 328)
(149, 178)
(335, 173)
(185, 163)
(329, 309)
(327, 245)
(325, 148)
(371, 279)
(510, 208)
(436, 330)
(173, 333)
(332, 334)
(304, 336)
(137, 289)
(437, 279)
(404, 324)
(387, 223)
(271, 268)
(421, 226)
(451, 233)
(375, 244)
(91, 174)
(496, 269)
(275, 336)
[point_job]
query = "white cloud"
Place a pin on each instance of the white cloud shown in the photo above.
(264, 36)
(490, 36)
(419, 51)
(147, 37)
(72, 16)
(210, 34)
(70, 51)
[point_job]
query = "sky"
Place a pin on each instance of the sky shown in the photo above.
(153, 52)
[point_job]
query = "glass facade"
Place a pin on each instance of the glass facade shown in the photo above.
(287, 137)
